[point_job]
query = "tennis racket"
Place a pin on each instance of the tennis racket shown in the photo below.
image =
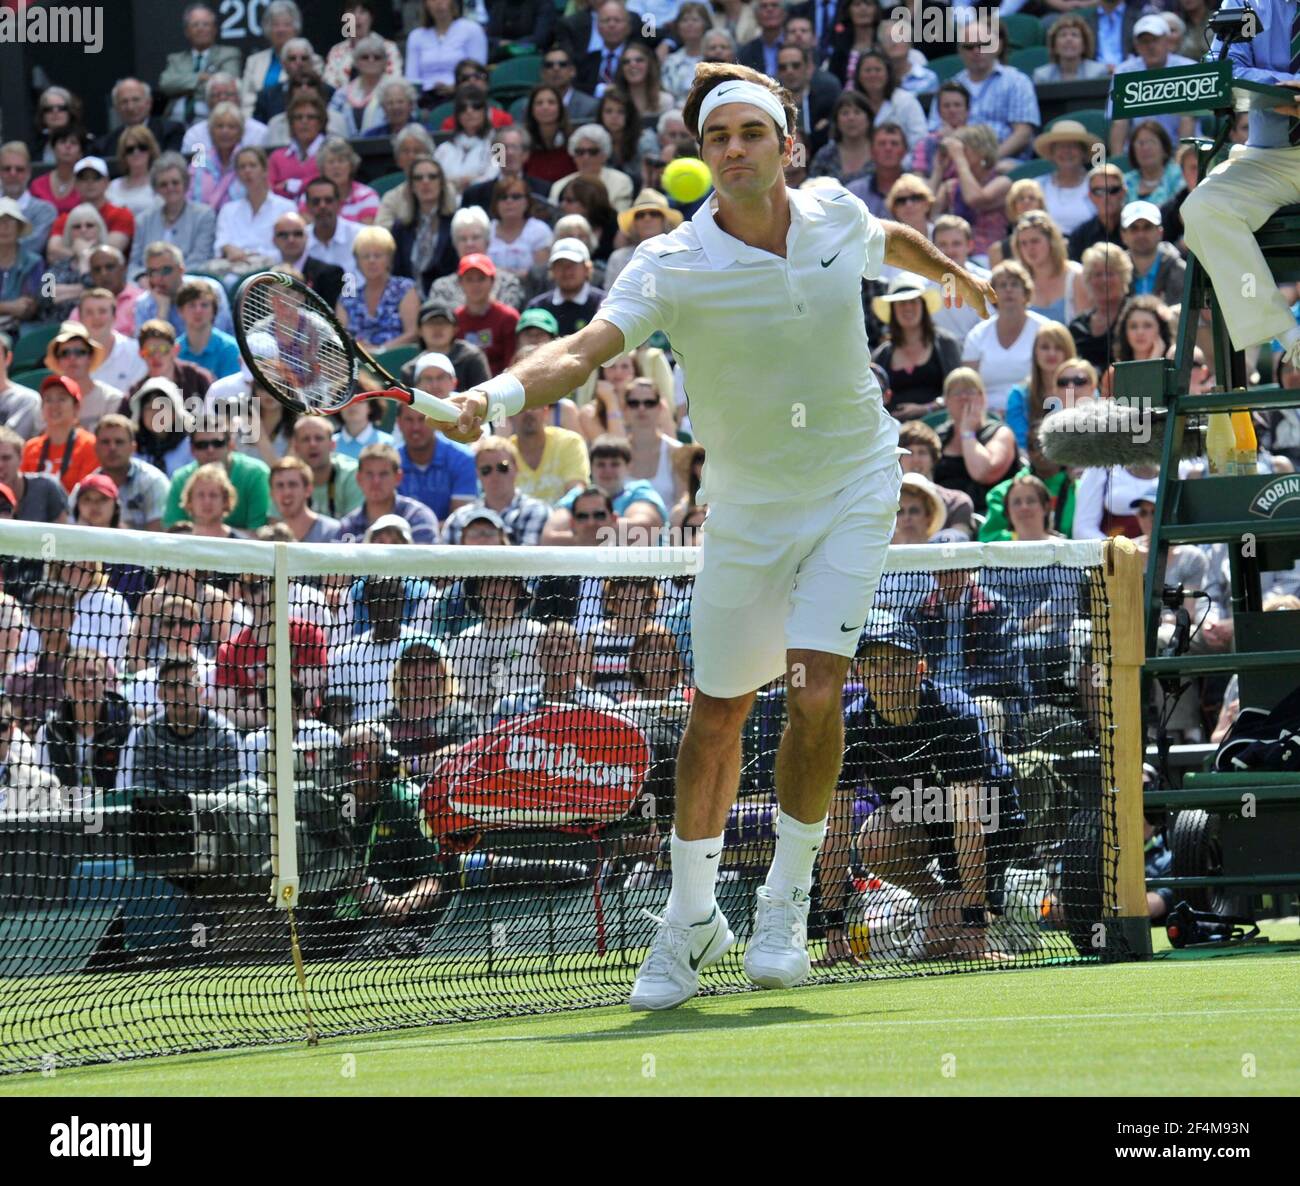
(297, 350)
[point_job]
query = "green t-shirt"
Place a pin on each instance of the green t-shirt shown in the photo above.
(997, 529)
(389, 843)
(340, 495)
(251, 477)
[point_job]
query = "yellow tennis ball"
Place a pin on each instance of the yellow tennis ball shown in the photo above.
(687, 179)
(859, 936)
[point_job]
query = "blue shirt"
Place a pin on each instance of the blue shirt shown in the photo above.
(424, 527)
(1004, 98)
(449, 474)
(1110, 36)
(146, 308)
(221, 356)
(1267, 58)
(634, 490)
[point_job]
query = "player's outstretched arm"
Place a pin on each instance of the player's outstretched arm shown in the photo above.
(913, 252)
(549, 373)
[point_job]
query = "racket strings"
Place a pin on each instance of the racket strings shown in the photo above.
(296, 352)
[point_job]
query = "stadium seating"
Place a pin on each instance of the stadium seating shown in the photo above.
(29, 349)
(947, 66)
(1022, 31)
(1095, 121)
(515, 76)
(381, 185)
(1031, 169)
(1029, 59)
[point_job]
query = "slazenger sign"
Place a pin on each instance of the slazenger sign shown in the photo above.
(1276, 494)
(1183, 88)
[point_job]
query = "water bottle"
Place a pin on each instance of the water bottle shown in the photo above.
(1246, 446)
(1220, 444)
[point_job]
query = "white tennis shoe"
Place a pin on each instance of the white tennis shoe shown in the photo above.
(670, 974)
(776, 955)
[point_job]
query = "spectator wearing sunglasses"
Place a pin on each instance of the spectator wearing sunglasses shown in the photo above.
(91, 177)
(290, 233)
(1107, 194)
(358, 100)
(248, 477)
(497, 461)
(160, 349)
(108, 271)
(473, 76)
(639, 510)
(164, 273)
(467, 157)
(15, 177)
(341, 58)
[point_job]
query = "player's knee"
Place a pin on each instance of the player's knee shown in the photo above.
(811, 705)
(713, 717)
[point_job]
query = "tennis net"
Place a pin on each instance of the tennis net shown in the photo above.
(254, 792)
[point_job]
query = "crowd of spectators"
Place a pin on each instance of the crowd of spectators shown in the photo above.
(504, 230)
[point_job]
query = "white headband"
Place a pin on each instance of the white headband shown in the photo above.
(742, 92)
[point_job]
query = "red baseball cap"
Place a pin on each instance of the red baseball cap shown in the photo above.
(477, 260)
(71, 386)
(100, 483)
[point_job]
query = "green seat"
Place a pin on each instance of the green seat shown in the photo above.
(31, 378)
(936, 420)
(1031, 169)
(1022, 30)
(29, 350)
(381, 185)
(947, 66)
(1028, 60)
(394, 360)
(1094, 119)
(1120, 162)
(515, 73)
(519, 109)
(433, 120)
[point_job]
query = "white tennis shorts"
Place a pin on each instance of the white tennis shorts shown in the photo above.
(780, 576)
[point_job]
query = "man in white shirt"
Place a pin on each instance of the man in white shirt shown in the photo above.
(953, 236)
(360, 671)
(245, 226)
(330, 238)
(123, 367)
(760, 294)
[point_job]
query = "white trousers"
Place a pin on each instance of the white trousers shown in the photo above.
(1220, 218)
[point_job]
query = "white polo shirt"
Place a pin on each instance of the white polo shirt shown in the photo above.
(774, 351)
(339, 249)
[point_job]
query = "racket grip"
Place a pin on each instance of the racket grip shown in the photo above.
(433, 407)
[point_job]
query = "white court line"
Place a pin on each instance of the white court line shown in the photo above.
(402, 1036)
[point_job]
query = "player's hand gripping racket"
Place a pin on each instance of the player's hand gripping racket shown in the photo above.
(296, 349)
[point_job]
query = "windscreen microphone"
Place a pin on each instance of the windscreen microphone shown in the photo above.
(1104, 432)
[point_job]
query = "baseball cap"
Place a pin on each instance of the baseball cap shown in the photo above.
(91, 162)
(100, 483)
(476, 260)
(885, 628)
(431, 358)
(63, 383)
(433, 307)
(487, 515)
(1157, 26)
(396, 522)
(542, 319)
(1147, 494)
(574, 249)
(1135, 211)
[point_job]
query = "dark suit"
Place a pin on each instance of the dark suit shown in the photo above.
(825, 33)
(573, 35)
(752, 55)
(444, 259)
(529, 21)
(815, 110)
(271, 103)
(167, 132)
(325, 279)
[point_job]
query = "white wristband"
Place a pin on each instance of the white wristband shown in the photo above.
(505, 397)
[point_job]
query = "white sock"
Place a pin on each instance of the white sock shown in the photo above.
(695, 873)
(797, 846)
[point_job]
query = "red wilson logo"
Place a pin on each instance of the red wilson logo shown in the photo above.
(556, 766)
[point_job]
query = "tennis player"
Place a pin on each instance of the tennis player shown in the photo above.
(760, 295)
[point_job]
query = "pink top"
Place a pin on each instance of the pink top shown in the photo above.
(289, 169)
(42, 189)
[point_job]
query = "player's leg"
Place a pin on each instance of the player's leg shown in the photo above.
(1220, 218)
(834, 588)
(738, 609)
(808, 762)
